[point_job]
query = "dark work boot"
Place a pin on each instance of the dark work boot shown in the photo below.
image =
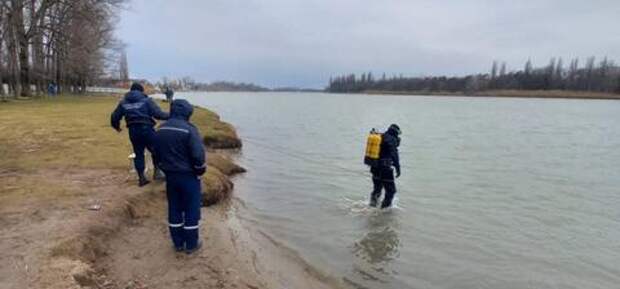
(158, 175)
(373, 201)
(198, 246)
(142, 180)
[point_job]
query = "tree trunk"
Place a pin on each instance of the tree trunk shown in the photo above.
(58, 70)
(2, 56)
(13, 62)
(38, 56)
(24, 74)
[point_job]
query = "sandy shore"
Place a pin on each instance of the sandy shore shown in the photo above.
(72, 220)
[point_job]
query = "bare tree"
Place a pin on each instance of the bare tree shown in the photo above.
(550, 74)
(589, 72)
(559, 74)
(3, 66)
(124, 67)
(55, 40)
(573, 71)
(605, 78)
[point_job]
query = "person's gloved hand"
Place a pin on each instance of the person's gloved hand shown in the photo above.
(397, 172)
(118, 129)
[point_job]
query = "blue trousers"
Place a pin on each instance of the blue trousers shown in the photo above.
(184, 199)
(142, 137)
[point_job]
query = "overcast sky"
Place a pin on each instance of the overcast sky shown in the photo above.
(304, 42)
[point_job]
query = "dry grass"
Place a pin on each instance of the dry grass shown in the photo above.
(17, 191)
(57, 158)
(75, 133)
(70, 132)
(224, 164)
(217, 187)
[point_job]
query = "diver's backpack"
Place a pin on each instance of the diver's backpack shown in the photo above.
(373, 148)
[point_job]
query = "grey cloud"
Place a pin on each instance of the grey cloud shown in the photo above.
(302, 43)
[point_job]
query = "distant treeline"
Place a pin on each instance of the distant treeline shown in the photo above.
(602, 76)
(228, 86)
(55, 41)
(189, 84)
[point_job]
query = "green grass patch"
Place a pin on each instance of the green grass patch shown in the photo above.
(75, 132)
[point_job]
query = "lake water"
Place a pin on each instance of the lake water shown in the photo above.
(495, 193)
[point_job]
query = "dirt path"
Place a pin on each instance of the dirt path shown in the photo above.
(233, 256)
(35, 223)
(58, 242)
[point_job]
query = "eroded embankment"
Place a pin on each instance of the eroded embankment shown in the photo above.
(71, 215)
(66, 193)
(126, 245)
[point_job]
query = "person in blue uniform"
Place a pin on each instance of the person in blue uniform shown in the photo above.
(169, 94)
(382, 173)
(181, 155)
(140, 113)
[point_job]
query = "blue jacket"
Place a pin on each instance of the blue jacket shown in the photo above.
(389, 150)
(178, 145)
(137, 108)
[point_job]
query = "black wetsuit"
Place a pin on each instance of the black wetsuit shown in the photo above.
(383, 174)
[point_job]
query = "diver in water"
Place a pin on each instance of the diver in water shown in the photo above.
(382, 172)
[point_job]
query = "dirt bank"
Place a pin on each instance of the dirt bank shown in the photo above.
(71, 215)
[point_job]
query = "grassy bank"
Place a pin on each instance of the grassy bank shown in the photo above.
(509, 93)
(74, 133)
(58, 158)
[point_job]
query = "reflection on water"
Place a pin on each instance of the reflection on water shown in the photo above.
(495, 193)
(374, 252)
(381, 243)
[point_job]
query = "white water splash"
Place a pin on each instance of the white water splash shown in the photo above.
(361, 207)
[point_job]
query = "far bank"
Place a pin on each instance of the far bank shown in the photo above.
(566, 94)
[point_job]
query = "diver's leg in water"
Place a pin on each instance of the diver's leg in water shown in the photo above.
(390, 191)
(377, 187)
(390, 188)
